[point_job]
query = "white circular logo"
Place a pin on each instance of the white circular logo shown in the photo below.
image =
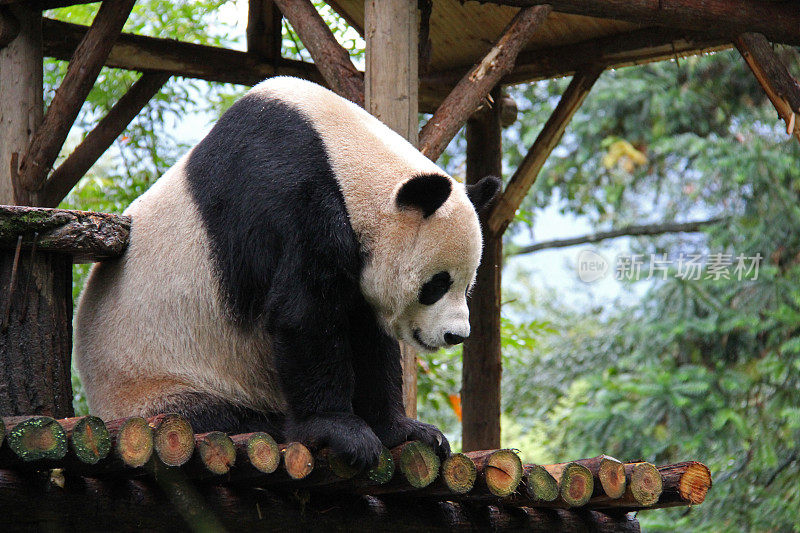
(591, 266)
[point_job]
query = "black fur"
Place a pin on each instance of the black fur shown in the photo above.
(433, 290)
(482, 193)
(426, 193)
(208, 413)
(289, 261)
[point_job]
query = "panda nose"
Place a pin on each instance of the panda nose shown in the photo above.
(452, 338)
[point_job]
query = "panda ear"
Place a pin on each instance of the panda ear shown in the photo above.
(482, 193)
(426, 193)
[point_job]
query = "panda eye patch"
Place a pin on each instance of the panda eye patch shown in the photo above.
(433, 290)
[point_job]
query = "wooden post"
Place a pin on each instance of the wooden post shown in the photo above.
(391, 94)
(21, 100)
(264, 37)
(480, 385)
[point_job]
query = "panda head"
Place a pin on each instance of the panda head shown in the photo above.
(418, 274)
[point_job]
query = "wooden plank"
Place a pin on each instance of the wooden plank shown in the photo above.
(86, 154)
(465, 99)
(779, 85)
(84, 235)
(778, 21)
(82, 72)
(482, 366)
(332, 60)
(505, 208)
(391, 94)
(136, 52)
(21, 106)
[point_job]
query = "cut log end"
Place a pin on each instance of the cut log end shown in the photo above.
(540, 485)
(173, 439)
(37, 438)
(216, 452)
(297, 460)
(694, 484)
(90, 440)
(645, 484)
(418, 463)
(263, 452)
(611, 474)
(459, 473)
(503, 472)
(134, 445)
(340, 466)
(576, 485)
(382, 472)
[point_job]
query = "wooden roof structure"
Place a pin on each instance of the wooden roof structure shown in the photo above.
(450, 58)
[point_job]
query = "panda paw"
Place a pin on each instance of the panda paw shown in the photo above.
(346, 434)
(404, 429)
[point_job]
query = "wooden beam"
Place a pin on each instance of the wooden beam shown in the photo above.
(83, 235)
(482, 367)
(21, 96)
(332, 60)
(264, 38)
(779, 85)
(509, 201)
(465, 99)
(779, 21)
(391, 94)
(86, 154)
(81, 74)
(137, 52)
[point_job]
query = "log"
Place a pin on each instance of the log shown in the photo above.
(85, 65)
(458, 474)
(132, 440)
(466, 97)
(84, 235)
(482, 353)
(332, 60)
(418, 467)
(27, 501)
(215, 453)
(684, 484)
(538, 485)
(97, 141)
(173, 439)
(499, 471)
(777, 20)
(297, 460)
(608, 475)
(258, 451)
(88, 437)
(779, 85)
(35, 332)
(575, 483)
(506, 205)
(36, 438)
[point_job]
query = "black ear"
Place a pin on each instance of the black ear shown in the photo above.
(426, 193)
(482, 193)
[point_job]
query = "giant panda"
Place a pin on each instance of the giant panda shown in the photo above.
(271, 272)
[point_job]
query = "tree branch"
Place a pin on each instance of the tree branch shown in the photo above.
(627, 231)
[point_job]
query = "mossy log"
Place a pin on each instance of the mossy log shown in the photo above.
(84, 235)
(36, 438)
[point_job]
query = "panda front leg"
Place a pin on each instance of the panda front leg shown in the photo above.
(316, 373)
(378, 396)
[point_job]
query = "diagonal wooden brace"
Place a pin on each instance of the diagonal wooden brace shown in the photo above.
(332, 60)
(781, 88)
(506, 205)
(474, 87)
(81, 74)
